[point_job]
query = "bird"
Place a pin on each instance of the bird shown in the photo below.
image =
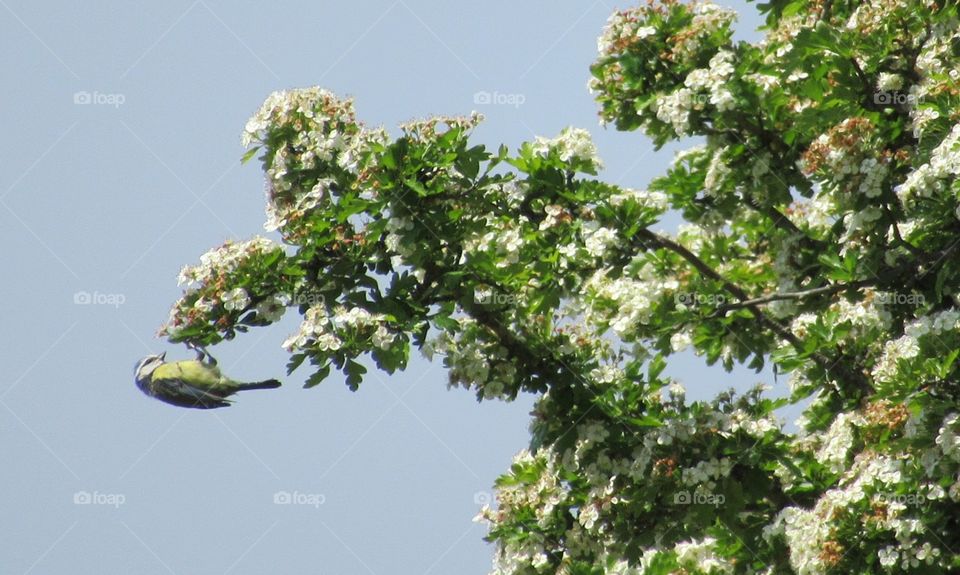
(194, 383)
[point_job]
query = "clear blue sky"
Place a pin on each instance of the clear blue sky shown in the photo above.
(113, 196)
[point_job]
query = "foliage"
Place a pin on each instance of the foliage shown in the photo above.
(822, 236)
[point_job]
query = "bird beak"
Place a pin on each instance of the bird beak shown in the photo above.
(163, 356)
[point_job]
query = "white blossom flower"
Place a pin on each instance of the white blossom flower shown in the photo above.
(383, 338)
(674, 108)
(572, 144)
(236, 299)
(599, 240)
(272, 308)
(928, 179)
(837, 442)
(702, 556)
(645, 31)
(888, 82)
(680, 341)
(553, 212)
(888, 556)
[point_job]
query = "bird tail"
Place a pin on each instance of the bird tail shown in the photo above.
(268, 384)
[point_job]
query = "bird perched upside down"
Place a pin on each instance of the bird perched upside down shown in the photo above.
(195, 383)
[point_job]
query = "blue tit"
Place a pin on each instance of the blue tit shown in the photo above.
(195, 383)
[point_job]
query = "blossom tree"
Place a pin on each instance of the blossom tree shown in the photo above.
(822, 212)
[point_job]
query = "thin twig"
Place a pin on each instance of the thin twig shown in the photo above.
(793, 295)
(823, 361)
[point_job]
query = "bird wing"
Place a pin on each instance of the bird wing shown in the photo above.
(199, 374)
(178, 392)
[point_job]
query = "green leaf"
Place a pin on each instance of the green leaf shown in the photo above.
(355, 373)
(317, 377)
(445, 322)
(416, 187)
(656, 366)
(822, 37)
(389, 159)
(644, 421)
(295, 361)
(249, 154)
(469, 164)
(946, 366)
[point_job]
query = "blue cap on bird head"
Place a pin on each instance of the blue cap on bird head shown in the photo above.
(146, 365)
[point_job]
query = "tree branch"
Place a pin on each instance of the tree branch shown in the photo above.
(823, 361)
(782, 222)
(709, 272)
(794, 295)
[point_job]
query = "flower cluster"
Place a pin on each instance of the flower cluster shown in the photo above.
(674, 108)
(937, 84)
(215, 296)
(908, 346)
(429, 129)
(279, 215)
(572, 146)
(314, 111)
(224, 260)
(535, 489)
(316, 331)
(475, 361)
(701, 556)
(326, 332)
(866, 319)
(837, 442)
(313, 147)
(708, 20)
(653, 42)
(653, 200)
(714, 79)
(932, 177)
(624, 301)
(502, 238)
(844, 158)
(867, 500)
(705, 472)
(948, 437)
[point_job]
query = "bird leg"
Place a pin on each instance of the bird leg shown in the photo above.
(209, 357)
(202, 353)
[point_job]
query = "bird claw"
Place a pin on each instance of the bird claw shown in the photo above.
(202, 353)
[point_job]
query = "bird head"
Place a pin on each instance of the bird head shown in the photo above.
(146, 366)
